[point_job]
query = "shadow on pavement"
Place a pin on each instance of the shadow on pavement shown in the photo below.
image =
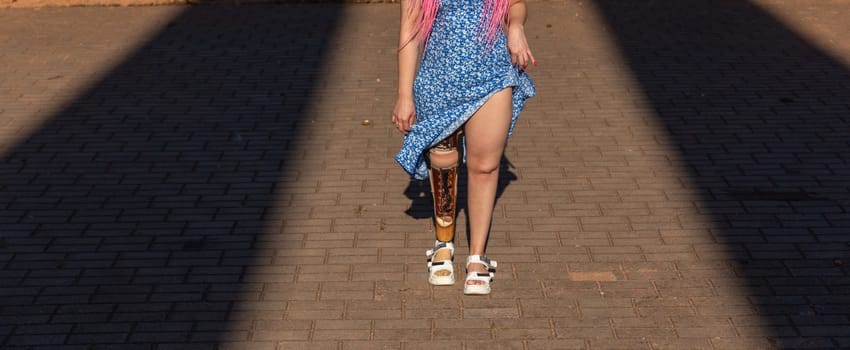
(131, 217)
(422, 205)
(419, 191)
(762, 124)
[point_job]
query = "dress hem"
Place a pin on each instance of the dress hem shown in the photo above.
(518, 96)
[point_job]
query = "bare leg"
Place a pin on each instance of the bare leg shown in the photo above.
(486, 134)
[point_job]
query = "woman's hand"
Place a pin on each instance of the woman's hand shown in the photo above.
(404, 114)
(518, 47)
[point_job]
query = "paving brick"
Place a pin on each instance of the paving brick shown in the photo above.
(402, 334)
(200, 177)
(802, 343)
(97, 338)
(618, 344)
(465, 334)
(257, 345)
(749, 343)
(36, 339)
(371, 344)
(556, 344)
(679, 343)
(442, 344)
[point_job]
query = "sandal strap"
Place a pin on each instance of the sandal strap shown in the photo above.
(440, 245)
(479, 276)
(483, 260)
(440, 265)
(484, 277)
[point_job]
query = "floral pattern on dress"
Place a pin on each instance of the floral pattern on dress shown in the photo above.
(458, 73)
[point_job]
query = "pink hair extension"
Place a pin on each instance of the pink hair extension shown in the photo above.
(495, 14)
(424, 21)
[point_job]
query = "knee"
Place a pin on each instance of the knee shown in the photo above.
(482, 169)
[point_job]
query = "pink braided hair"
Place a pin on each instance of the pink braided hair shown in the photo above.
(495, 14)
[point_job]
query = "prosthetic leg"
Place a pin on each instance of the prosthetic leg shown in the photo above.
(444, 159)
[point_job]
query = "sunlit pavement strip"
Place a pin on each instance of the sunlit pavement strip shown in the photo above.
(222, 178)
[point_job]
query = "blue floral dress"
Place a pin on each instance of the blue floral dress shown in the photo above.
(458, 73)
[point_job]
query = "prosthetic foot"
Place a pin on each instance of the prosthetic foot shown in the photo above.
(444, 159)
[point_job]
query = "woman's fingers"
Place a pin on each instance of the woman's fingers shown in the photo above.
(404, 124)
(408, 123)
(397, 122)
(523, 60)
(527, 58)
(403, 115)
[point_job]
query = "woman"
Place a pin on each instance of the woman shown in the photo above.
(471, 80)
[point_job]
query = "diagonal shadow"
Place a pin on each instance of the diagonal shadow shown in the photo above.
(761, 120)
(130, 217)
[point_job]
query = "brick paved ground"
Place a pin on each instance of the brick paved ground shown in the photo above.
(200, 178)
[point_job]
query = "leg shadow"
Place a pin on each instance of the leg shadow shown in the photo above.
(422, 205)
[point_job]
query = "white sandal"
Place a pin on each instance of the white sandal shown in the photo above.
(486, 277)
(443, 265)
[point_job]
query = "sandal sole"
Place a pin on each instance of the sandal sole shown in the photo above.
(475, 291)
